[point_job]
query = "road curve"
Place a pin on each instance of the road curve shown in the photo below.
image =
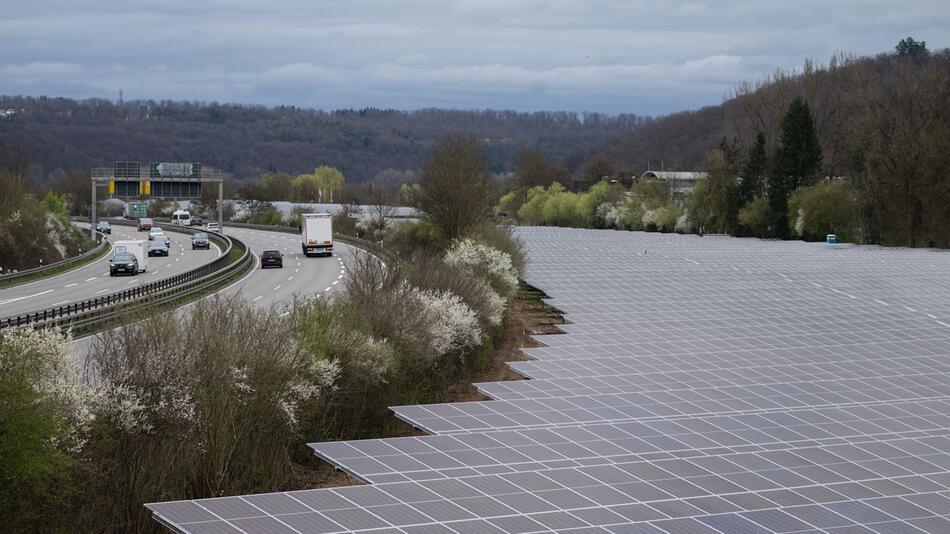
(93, 280)
(300, 275)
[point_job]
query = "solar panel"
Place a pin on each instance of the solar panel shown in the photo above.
(701, 385)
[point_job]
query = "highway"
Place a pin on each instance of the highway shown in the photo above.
(299, 276)
(93, 279)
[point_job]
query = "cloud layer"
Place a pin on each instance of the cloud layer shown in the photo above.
(646, 57)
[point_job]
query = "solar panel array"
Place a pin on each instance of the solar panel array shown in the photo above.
(702, 385)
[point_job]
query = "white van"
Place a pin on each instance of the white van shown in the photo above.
(181, 218)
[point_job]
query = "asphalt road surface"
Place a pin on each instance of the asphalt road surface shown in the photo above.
(93, 280)
(300, 275)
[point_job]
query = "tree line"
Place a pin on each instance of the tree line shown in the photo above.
(858, 147)
(247, 140)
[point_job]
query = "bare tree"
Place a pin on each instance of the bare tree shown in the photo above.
(455, 189)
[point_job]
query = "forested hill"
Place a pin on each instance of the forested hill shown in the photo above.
(247, 140)
(851, 99)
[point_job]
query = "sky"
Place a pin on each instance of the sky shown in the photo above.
(608, 56)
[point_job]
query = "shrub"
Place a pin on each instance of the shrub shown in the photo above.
(487, 261)
(43, 415)
(197, 404)
(754, 217)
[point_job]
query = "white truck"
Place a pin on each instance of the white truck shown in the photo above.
(316, 234)
(137, 248)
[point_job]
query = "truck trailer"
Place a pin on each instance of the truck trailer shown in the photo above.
(137, 248)
(316, 234)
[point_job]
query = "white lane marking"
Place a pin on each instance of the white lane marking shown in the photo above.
(176, 259)
(169, 265)
(278, 287)
(931, 316)
(908, 308)
(154, 272)
(72, 284)
(327, 289)
(26, 297)
(944, 324)
(338, 278)
(131, 282)
(285, 314)
(291, 278)
(101, 291)
(296, 270)
(335, 282)
(879, 301)
(61, 303)
(258, 298)
(90, 279)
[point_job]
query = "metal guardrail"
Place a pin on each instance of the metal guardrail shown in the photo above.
(100, 311)
(57, 265)
(387, 256)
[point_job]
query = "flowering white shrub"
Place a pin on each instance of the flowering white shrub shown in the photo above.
(800, 222)
(482, 257)
(124, 406)
(495, 306)
(44, 357)
(612, 214)
(453, 325)
(649, 217)
(682, 223)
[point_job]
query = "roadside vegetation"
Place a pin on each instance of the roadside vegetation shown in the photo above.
(34, 227)
(222, 400)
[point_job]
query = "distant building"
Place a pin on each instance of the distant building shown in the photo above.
(679, 184)
(7, 114)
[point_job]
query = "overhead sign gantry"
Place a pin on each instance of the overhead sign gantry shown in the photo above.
(165, 180)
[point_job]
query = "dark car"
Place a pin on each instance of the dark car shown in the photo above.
(123, 262)
(196, 221)
(104, 227)
(158, 248)
(200, 241)
(272, 258)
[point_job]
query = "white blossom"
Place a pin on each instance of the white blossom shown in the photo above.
(46, 355)
(467, 252)
(239, 380)
(649, 217)
(682, 223)
(124, 405)
(453, 324)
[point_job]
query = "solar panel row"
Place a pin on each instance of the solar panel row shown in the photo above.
(702, 385)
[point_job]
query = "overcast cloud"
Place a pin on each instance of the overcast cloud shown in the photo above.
(645, 57)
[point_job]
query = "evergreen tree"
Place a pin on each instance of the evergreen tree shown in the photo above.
(797, 163)
(753, 172)
(798, 157)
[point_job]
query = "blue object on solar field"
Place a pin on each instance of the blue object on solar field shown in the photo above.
(832, 239)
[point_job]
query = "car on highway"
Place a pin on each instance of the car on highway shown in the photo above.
(272, 258)
(104, 227)
(214, 227)
(196, 221)
(124, 262)
(157, 248)
(200, 240)
(145, 224)
(157, 233)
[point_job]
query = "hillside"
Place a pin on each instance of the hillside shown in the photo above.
(847, 95)
(249, 140)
